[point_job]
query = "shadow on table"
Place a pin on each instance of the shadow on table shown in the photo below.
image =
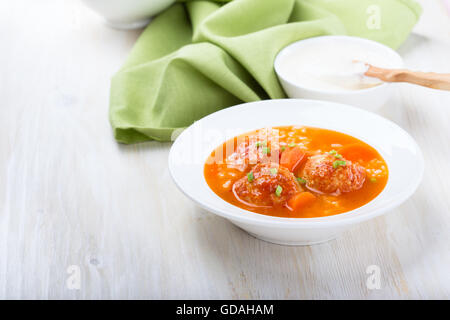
(413, 43)
(255, 269)
(143, 146)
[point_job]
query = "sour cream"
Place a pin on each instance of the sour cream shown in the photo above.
(333, 65)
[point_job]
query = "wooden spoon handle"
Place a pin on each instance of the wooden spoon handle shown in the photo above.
(427, 79)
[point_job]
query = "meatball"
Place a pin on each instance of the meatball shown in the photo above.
(327, 174)
(252, 152)
(266, 185)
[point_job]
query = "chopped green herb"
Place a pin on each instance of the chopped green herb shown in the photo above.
(338, 163)
(335, 154)
(373, 180)
(261, 143)
(301, 180)
(266, 150)
(278, 190)
(283, 148)
(250, 176)
(291, 144)
(273, 171)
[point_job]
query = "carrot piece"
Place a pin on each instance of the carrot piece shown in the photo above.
(291, 158)
(301, 200)
(357, 151)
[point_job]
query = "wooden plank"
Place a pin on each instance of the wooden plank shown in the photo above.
(70, 195)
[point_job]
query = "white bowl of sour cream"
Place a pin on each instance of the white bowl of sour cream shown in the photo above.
(324, 68)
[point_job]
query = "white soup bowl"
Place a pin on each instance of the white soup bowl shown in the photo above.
(371, 99)
(192, 147)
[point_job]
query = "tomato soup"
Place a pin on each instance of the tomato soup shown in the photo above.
(296, 172)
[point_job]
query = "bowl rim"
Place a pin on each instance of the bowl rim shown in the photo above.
(282, 53)
(341, 219)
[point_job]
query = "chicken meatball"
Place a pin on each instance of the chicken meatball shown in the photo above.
(266, 185)
(252, 152)
(328, 174)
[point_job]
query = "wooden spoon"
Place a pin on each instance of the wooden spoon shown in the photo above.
(432, 80)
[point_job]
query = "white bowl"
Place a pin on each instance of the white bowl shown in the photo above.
(370, 99)
(128, 14)
(193, 146)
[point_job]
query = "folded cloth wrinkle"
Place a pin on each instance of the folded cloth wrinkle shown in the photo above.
(198, 57)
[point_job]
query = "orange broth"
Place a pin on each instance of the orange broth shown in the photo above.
(221, 174)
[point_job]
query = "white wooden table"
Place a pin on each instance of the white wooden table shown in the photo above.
(74, 202)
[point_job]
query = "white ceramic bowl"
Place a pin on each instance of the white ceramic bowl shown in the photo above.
(192, 147)
(128, 14)
(370, 99)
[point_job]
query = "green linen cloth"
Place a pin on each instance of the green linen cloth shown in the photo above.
(198, 57)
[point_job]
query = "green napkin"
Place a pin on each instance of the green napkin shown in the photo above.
(198, 57)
